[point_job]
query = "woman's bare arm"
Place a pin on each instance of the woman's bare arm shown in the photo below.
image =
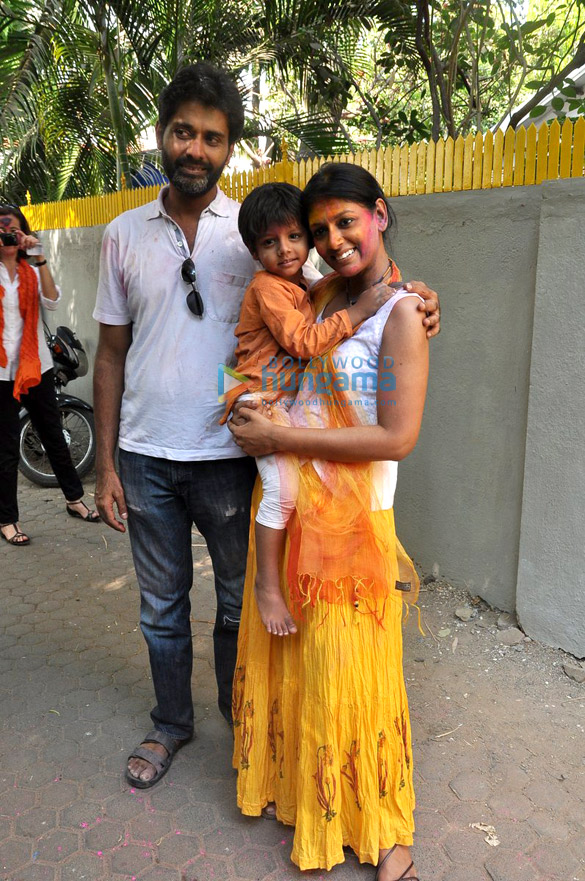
(48, 286)
(404, 343)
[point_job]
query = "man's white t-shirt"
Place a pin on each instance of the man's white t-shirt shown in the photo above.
(170, 405)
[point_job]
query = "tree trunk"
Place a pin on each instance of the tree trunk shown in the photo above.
(115, 100)
(423, 48)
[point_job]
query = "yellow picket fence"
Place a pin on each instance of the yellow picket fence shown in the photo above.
(477, 162)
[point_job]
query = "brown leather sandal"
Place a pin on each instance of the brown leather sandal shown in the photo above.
(403, 877)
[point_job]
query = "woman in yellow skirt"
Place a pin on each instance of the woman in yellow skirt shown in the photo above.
(321, 718)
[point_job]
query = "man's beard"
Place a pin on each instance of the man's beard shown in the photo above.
(186, 183)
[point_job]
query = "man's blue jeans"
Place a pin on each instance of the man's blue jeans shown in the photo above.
(164, 499)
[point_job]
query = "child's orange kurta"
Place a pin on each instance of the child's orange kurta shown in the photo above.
(277, 334)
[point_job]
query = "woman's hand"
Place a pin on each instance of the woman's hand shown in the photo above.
(257, 405)
(431, 306)
(254, 433)
(27, 243)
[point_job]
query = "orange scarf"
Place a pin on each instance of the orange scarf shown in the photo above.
(28, 372)
(342, 549)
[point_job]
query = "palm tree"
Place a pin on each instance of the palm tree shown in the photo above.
(70, 98)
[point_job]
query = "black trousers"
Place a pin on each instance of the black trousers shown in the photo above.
(41, 403)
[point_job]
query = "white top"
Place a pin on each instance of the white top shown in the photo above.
(14, 324)
(356, 364)
(170, 405)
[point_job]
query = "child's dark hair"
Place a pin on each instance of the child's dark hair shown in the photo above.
(274, 203)
(6, 210)
(343, 180)
(209, 86)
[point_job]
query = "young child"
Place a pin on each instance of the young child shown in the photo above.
(277, 322)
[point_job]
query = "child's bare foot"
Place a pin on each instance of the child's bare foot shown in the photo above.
(395, 864)
(273, 611)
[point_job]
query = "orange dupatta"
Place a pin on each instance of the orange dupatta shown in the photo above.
(28, 372)
(342, 548)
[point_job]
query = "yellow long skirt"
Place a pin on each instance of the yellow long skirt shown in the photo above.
(322, 728)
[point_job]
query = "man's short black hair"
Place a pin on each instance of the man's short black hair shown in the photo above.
(277, 203)
(209, 86)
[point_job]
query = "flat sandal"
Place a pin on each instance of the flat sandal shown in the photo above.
(13, 540)
(89, 516)
(403, 876)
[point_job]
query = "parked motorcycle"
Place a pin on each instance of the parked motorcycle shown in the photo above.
(69, 362)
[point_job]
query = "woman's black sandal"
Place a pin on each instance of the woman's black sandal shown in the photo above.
(13, 540)
(90, 517)
(403, 876)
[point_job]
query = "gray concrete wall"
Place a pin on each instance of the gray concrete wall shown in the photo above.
(460, 492)
(74, 256)
(551, 571)
(476, 494)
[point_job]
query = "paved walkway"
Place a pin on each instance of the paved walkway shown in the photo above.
(499, 736)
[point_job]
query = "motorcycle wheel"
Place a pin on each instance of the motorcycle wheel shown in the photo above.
(79, 432)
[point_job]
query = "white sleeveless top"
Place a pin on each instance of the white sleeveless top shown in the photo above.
(356, 365)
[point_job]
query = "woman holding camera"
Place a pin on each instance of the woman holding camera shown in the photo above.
(26, 372)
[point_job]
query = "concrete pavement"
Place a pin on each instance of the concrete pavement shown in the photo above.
(499, 735)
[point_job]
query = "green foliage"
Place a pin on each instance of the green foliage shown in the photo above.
(79, 78)
(568, 102)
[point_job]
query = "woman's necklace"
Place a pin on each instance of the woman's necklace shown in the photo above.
(351, 301)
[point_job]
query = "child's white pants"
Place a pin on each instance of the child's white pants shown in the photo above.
(279, 476)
